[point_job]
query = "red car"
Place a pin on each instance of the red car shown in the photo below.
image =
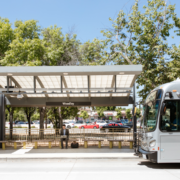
(89, 126)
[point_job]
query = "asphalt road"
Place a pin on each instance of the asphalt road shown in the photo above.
(89, 169)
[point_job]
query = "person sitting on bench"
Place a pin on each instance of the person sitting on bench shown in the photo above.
(64, 132)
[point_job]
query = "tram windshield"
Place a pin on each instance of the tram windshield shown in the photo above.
(170, 121)
(151, 109)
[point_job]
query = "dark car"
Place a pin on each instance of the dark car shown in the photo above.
(127, 123)
(114, 127)
(28, 123)
(21, 122)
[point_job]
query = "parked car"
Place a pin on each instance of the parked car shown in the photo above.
(114, 127)
(31, 122)
(101, 122)
(36, 122)
(89, 126)
(79, 123)
(119, 122)
(21, 122)
(16, 122)
(69, 125)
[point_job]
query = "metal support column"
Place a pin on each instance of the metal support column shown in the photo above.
(34, 84)
(8, 84)
(115, 83)
(61, 84)
(134, 118)
(2, 118)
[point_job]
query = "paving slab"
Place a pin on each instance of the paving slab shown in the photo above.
(56, 153)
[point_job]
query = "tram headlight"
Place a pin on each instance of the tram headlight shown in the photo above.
(152, 143)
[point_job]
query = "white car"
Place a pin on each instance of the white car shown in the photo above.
(69, 125)
(101, 123)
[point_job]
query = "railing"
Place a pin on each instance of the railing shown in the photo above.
(80, 134)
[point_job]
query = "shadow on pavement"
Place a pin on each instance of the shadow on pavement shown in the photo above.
(159, 166)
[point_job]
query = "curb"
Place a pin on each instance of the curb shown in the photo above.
(59, 158)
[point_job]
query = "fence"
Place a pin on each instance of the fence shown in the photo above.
(79, 134)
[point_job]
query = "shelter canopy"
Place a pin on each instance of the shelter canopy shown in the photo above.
(70, 83)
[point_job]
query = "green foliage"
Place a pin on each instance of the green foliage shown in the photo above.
(19, 115)
(67, 112)
(59, 49)
(6, 36)
(141, 38)
(29, 111)
(84, 114)
(118, 110)
(24, 47)
(35, 116)
(93, 53)
(128, 113)
(138, 113)
(105, 108)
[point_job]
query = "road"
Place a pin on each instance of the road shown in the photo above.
(89, 169)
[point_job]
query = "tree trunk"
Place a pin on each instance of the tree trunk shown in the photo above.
(29, 125)
(46, 121)
(60, 118)
(41, 125)
(11, 124)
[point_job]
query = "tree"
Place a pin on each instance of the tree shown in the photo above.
(29, 111)
(41, 110)
(60, 49)
(35, 116)
(6, 36)
(10, 110)
(27, 48)
(128, 114)
(84, 115)
(119, 109)
(138, 113)
(92, 53)
(141, 38)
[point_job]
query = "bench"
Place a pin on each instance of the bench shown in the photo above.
(88, 140)
(19, 141)
(36, 143)
(3, 144)
(115, 140)
(131, 143)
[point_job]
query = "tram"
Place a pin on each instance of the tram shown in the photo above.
(159, 138)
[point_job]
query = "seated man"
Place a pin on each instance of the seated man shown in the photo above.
(64, 132)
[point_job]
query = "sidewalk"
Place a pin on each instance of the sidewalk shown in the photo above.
(56, 153)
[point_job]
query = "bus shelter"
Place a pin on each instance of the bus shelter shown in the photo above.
(43, 86)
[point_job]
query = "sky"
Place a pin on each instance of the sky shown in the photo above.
(86, 17)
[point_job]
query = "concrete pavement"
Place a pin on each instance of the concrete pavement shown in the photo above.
(89, 169)
(56, 153)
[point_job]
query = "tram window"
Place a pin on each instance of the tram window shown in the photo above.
(171, 120)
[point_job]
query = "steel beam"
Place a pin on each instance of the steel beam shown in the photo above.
(8, 84)
(34, 83)
(61, 84)
(65, 85)
(112, 85)
(41, 84)
(89, 85)
(71, 70)
(24, 93)
(95, 101)
(65, 89)
(16, 85)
